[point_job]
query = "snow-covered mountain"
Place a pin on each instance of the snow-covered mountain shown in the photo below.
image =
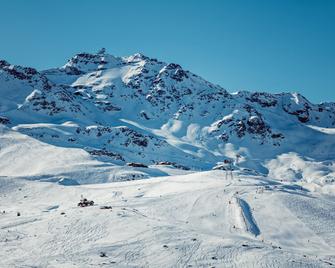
(116, 110)
(101, 119)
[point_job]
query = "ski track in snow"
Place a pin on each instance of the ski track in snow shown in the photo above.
(249, 221)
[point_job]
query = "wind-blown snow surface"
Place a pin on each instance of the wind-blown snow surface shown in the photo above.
(65, 131)
(195, 220)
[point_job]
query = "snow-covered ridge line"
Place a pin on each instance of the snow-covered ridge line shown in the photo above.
(139, 109)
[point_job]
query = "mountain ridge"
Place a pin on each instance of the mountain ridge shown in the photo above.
(139, 109)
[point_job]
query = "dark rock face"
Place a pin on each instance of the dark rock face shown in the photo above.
(60, 101)
(107, 106)
(224, 137)
(240, 128)
(3, 64)
(18, 72)
(277, 136)
(132, 164)
(85, 58)
(300, 107)
(40, 102)
(302, 115)
(264, 99)
(4, 120)
(174, 164)
(179, 75)
(24, 74)
(303, 118)
(256, 126)
(73, 71)
(134, 137)
(103, 152)
(224, 121)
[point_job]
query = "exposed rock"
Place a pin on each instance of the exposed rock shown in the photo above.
(132, 164)
(102, 152)
(4, 120)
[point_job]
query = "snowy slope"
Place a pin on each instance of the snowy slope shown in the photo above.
(23, 156)
(196, 220)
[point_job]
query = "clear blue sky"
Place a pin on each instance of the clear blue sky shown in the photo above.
(268, 45)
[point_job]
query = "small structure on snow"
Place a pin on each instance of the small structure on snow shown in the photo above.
(226, 165)
(84, 202)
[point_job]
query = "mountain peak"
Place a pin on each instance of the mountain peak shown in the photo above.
(139, 109)
(102, 51)
(85, 62)
(4, 63)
